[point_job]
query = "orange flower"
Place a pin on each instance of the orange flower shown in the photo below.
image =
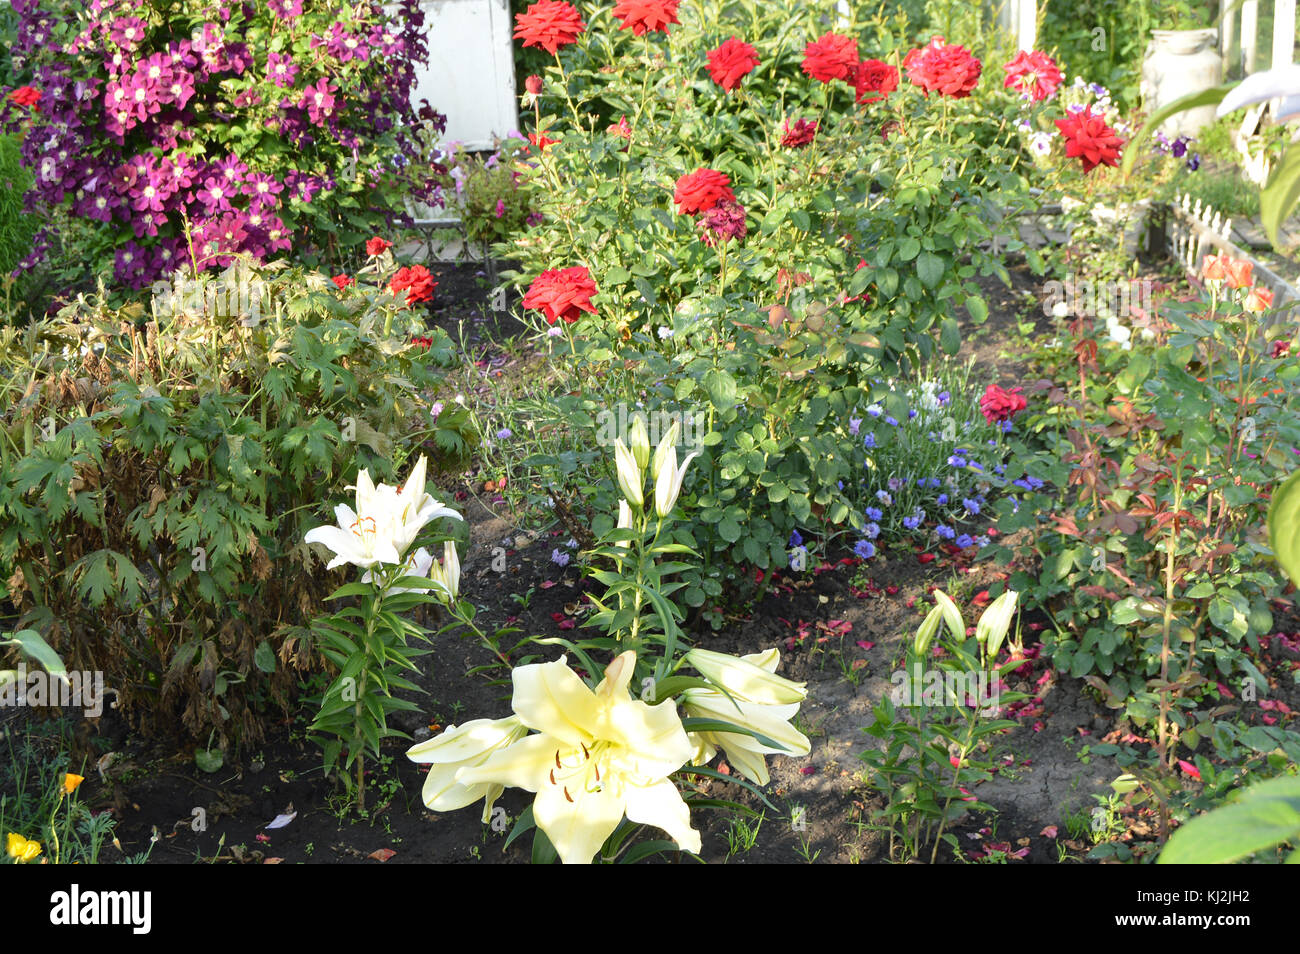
(71, 781)
(1239, 273)
(1257, 299)
(1214, 268)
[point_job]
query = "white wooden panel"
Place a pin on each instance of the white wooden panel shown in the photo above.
(470, 75)
(1283, 33)
(1249, 34)
(1027, 23)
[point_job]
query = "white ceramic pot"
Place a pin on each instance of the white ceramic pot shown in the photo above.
(1178, 63)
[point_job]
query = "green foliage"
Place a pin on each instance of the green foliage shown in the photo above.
(159, 474)
(937, 737)
(869, 240)
(1263, 818)
(16, 228)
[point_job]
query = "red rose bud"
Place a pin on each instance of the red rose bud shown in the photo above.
(534, 85)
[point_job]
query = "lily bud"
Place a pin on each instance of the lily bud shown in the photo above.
(669, 482)
(630, 477)
(624, 522)
(992, 628)
(751, 678)
(925, 634)
(640, 442)
(951, 615)
(669, 440)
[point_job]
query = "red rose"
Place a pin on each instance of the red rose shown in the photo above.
(621, 129)
(343, 281)
(701, 190)
(562, 294)
(874, 80)
(1088, 138)
(801, 133)
(729, 62)
(647, 16)
(377, 245)
(832, 57)
(541, 141)
(549, 24)
(939, 68)
(534, 85)
(1035, 74)
(1001, 405)
(415, 281)
(26, 96)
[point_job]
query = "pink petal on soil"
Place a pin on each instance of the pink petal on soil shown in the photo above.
(1190, 769)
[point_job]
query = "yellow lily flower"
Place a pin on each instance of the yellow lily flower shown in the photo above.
(458, 747)
(22, 850)
(596, 757)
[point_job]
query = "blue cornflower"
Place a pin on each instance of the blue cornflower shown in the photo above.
(942, 500)
(854, 424)
(943, 398)
(972, 505)
(999, 469)
(1006, 426)
(1034, 482)
(865, 549)
(869, 441)
(976, 465)
(964, 541)
(891, 421)
(505, 434)
(875, 410)
(1022, 483)
(795, 539)
(799, 550)
(992, 442)
(981, 541)
(884, 497)
(911, 523)
(920, 482)
(871, 530)
(911, 413)
(935, 483)
(957, 460)
(895, 484)
(571, 543)
(873, 514)
(944, 532)
(559, 557)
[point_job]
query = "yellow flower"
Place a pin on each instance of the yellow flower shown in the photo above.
(71, 781)
(457, 747)
(596, 757)
(22, 850)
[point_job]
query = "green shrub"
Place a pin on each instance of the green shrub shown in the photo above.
(166, 459)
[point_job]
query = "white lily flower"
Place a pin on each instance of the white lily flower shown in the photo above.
(597, 757)
(417, 564)
(458, 747)
(384, 524)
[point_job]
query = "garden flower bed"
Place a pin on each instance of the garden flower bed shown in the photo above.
(774, 494)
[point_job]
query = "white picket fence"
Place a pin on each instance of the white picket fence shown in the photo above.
(1239, 34)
